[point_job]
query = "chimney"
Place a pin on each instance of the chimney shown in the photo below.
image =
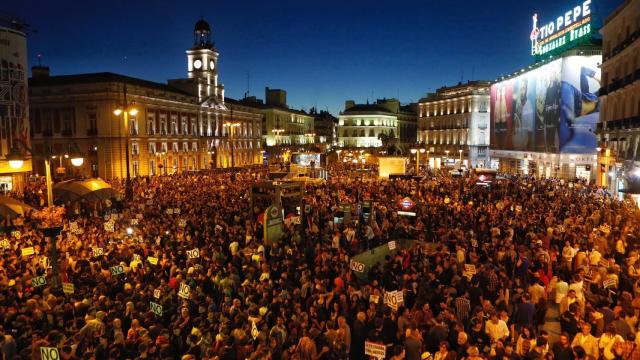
(40, 71)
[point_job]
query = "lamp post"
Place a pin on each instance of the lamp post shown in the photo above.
(446, 157)
(415, 151)
(338, 152)
(125, 110)
(460, 152)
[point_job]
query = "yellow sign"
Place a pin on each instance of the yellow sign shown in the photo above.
(67, 288)
(28, 251)
(152, 260)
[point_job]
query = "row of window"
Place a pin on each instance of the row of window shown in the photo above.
(368, 122)
(456, 106)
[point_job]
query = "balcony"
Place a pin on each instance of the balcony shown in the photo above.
(133, 131)
(620, 124)
(92, 132)
(620, 47)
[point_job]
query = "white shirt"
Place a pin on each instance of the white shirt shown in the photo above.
(562, 288)
(496, 331)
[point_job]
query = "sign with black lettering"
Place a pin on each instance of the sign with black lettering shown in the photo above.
(38, 281)
(156, 293)
(16, 234)
(28, 251)
(374, 298)
(392, 245)
(378, 351)
(185, 291)
(176, 211)
(67, 288)
(152, 260)
(49, 353)
(356, 266)
(117, 270)
(470, 268)
(98, 252)
(182, 223)
(193, 254)
(393, 299)
(4, 244)
(156, 308)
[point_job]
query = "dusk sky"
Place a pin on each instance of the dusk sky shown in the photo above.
(321, 52)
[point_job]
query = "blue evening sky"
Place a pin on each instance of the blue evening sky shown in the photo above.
(320, 52)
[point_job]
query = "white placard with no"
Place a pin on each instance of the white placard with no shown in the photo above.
(185, 291)
(392, 245)
(193, 254)
(378, 351)
(49, 353)
(356, 266)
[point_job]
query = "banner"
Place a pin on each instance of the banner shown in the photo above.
(374, 298)
(393, 299)
(378, 351)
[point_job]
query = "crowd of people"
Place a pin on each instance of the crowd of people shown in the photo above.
(519, 268)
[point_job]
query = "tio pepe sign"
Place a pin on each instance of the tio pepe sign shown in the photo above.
(566, 28)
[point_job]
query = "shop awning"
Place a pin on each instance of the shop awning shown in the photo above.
(94, 189)
(10, 207)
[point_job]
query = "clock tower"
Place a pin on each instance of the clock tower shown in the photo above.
(202, 65)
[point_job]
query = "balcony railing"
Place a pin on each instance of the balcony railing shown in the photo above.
(620, 124)
(92, 132)
(67, 132)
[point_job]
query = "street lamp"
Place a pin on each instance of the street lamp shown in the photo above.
(460, 152)
(446, 157)
(415, 151)
(338, 152)
(125, 110)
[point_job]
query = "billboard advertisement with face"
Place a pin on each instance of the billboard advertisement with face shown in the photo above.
(550, 109)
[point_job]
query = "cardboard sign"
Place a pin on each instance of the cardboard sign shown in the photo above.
(392, 245)
(134, 221)
(156, 293)
(169, 211)
(185, 291)
(117, 270)
(16, 234)
(356, 266)
(156, 308)
(182, 223)
(98, 252)
(393, 299)
(49, 353)
(609, 283)
(193, 254)
(152, 260)
(67, 288)
(28, 251)
(374, 298)
(378, 351)
(109, 226)
(4, 244)
(254, 330)
(470, 268)
(38, 281)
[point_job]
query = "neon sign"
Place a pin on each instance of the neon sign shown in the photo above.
(567, 28)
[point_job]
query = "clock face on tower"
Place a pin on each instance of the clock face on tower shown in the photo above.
(197, 64)
(211, 65)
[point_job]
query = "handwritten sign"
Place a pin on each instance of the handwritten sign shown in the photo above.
(193, 254)
(28, 251)
(156, 293)
(378, 351)
(67, 288)
(374, 298)
(356, 266)
(392, 245)
(609, 283)
(4, 244)
(49, 353)
(98, 252)
(470, 268)
(16, 234)
(185, 291)
(152, 260)
(38, 281)
(117, 270)
(156, 308)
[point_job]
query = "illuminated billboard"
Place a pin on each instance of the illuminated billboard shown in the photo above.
(568, 28)
(553, 108)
